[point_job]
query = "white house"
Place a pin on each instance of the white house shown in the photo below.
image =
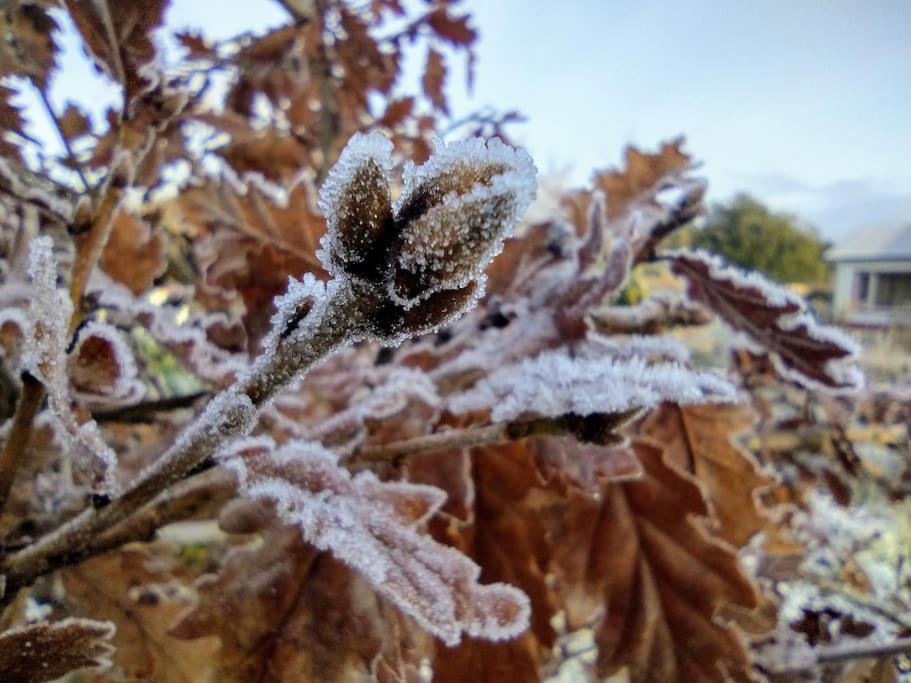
(873, 278)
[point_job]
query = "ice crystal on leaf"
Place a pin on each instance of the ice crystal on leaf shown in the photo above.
(50, 312)
(555, 383)
(370, 525)
(31, 653)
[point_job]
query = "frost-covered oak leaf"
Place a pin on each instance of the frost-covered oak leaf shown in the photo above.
(776, 321)
(370, 525)
(33, 653)
(101, 365)
(554, 384)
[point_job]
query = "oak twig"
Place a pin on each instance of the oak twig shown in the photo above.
(17, 441)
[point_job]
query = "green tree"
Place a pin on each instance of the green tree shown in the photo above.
(748, 233)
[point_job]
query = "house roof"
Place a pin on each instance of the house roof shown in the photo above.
(878, 244)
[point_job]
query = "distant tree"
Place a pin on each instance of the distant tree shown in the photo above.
(748, 233)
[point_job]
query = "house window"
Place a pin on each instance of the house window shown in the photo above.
(893, 289)
(862, 287)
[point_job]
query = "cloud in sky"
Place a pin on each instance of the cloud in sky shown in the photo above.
(804, 104)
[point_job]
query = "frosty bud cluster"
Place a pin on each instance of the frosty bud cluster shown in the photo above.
(425, 253)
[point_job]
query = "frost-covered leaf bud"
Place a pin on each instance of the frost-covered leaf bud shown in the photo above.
(356, 202)
(454, 214)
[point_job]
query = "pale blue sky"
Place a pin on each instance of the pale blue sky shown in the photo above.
(804, 103)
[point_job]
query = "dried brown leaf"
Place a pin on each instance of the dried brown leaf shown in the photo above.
(642, 176)
(434, 80)
(139, 591)
(659, 578)
(697, 439)
(74, 122)
(135, 252)
(118, 33)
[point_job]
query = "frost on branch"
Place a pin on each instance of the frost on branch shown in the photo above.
(554, 383)
(370, 525)
(50, 312)
(778, 322)
(35, 653)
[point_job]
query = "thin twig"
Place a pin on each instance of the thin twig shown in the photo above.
(432, 443)
(469, 437)
(844, 653)
(18, 439)
(71, 155)
(148, 410)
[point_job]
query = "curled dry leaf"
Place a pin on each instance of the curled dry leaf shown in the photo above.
(638, 557)
(369, 525)
(777, 322)
(101, 364)
(34, 653)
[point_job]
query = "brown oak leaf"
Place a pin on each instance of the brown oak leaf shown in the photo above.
(638, 558)
(135, 252)
(142, 592)
(697, 440)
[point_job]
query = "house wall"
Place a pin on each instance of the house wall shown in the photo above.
(845, 304)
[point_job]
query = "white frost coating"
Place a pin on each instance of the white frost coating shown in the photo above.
(370, 525)
(61, 207)
(127, 386)
(307, 290)
(50, 310)
(640, 345)
(360, 149)
(432, 247)
(521, 174)
(554, 384)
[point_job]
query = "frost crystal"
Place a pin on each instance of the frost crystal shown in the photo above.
(457, 209)
(555, 383)
(50, 311)
(370, 525)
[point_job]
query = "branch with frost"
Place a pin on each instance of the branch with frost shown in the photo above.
(50, 313)
(370, 525)
(398, 270)
(657, 312)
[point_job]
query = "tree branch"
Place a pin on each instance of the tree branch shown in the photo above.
(71, 156)
(18, 439)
